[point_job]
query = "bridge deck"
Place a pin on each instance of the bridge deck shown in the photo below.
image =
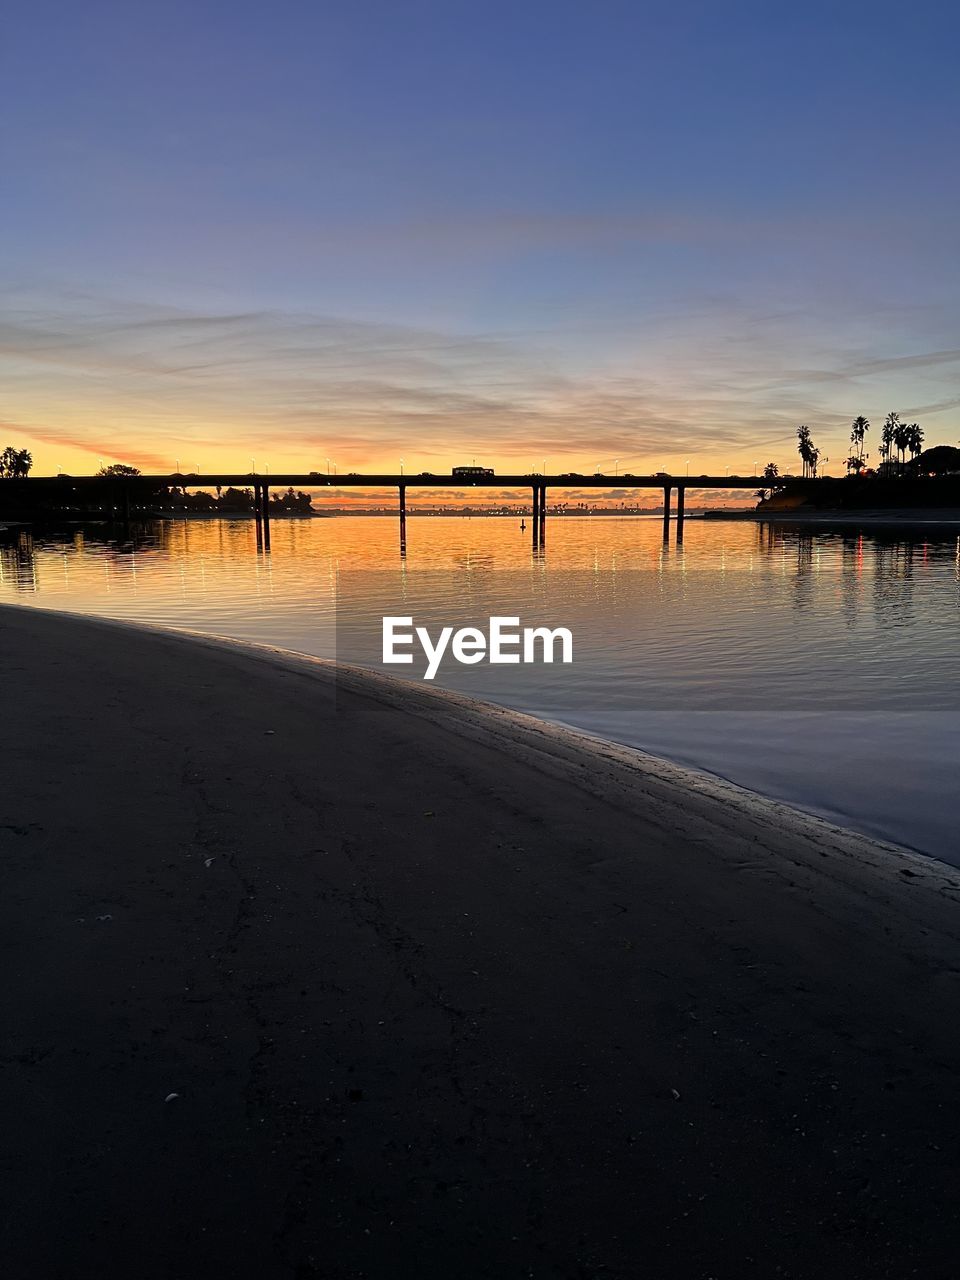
(314, 480)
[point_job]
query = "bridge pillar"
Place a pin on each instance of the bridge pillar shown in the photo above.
(265, 499)
(402, 490)
(258, 514)
(680, 493)
(535, 514)
(543, 513)
(666, 513)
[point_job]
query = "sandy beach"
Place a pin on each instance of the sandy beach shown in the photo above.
(309, 973)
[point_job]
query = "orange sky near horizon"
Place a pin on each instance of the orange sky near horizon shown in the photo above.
(92, 381)
(67, 451)
(76, 457)
(474, 236)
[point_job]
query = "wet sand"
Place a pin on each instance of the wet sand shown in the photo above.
(310, 973)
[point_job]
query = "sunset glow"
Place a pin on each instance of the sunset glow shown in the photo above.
(515, 242)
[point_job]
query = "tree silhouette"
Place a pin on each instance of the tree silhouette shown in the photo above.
(915, 440)
(15, 464)
(901, 440)
(888, 437)
(119, 469)
(858, 431)
(809, 456)
(771, 473)
(236, 499)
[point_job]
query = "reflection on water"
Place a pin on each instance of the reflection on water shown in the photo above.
(818, 666)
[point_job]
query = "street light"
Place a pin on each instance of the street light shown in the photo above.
(688, 466)
(401, 466)
(616, 466)
(328, 466)
(755, 465)
(253, 466)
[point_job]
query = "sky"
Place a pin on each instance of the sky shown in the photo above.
(526, 233)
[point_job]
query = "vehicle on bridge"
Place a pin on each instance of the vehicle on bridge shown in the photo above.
(471, 473)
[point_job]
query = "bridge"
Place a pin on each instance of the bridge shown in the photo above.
(537, 483)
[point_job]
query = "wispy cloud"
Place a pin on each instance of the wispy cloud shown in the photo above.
(146, 382)
(101, 448)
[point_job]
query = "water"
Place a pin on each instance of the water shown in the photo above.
(815, 666)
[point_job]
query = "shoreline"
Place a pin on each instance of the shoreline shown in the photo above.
(697, 778)
(463, 712)
(698, 772)
(437, 988)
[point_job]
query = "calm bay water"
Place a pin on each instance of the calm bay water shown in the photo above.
(816, 666)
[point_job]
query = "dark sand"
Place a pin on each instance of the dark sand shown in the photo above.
(442, 992)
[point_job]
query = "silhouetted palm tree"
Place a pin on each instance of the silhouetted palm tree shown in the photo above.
(771, 473)
(15, 463)
(888, 438)
(901, 439)
(858, 431)
(915, 440)
(808, 454)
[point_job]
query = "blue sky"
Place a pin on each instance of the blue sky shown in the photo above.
(617, 229)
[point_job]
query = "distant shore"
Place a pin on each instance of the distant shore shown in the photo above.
(229, 515)
(305, 964)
